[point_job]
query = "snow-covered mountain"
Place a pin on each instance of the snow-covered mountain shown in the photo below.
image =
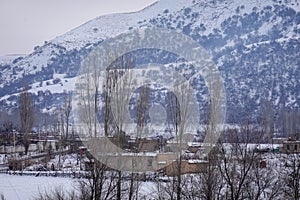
(255, 45)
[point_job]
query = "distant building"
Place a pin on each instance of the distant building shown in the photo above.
(194, 147)
(137, 161)
(187, 167)
(290, 146)
(279, 140)
(145, 145)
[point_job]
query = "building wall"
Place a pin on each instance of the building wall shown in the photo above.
(290, 147)
(186, 168)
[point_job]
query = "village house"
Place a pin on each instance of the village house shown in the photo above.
(290, 146)
(187, 167)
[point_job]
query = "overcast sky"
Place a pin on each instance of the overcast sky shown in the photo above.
(27, 23)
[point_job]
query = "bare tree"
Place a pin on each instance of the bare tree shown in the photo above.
(179, 102)
(2, 197)
(114, 103)
(291, 176)
(65, 114)
(264, 183)
(141, 113)
(101, 183)
(26, 116)
(166, 189)
(142, 105)
(118, 87)
(288, 122)
(88, 95)
(268, 120)
(211, 182)
(237, 161)
(208, 185)
(6, 136)
(174, 190)
(240, 167)
(175, 112)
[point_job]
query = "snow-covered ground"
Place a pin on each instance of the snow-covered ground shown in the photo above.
(27, 187)
(63, 163)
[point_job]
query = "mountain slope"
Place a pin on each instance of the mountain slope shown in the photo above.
(255, 44)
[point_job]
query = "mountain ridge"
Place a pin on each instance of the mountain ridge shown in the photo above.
(248, 41)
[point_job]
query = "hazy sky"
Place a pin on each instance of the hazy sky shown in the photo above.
(27, 23)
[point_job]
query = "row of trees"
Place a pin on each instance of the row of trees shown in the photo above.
(27, 118)
(286, 122)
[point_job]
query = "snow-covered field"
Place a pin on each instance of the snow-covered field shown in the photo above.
(15, 187)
